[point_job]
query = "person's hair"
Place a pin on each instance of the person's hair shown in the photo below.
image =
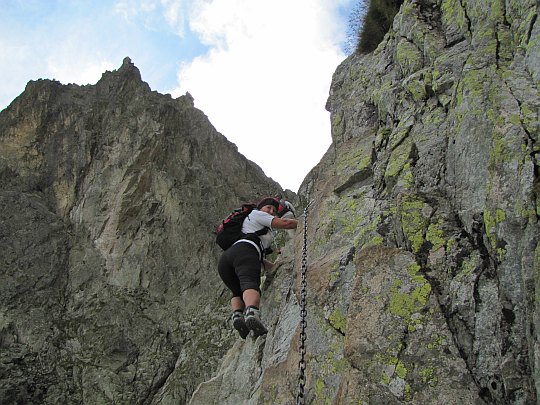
(268, 201)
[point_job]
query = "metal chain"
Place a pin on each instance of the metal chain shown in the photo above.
(303, 313)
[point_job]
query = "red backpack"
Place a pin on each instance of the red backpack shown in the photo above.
(230, 229)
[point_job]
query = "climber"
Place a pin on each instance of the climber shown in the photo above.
(240, 265)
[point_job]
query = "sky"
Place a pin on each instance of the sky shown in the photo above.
(259, 69)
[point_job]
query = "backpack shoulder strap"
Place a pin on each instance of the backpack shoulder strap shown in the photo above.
(262, 231)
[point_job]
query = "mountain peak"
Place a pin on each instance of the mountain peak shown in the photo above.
(126, 78)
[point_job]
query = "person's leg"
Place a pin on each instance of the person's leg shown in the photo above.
(228, 275)
(252, 298)
(237, 304)
(248, 270)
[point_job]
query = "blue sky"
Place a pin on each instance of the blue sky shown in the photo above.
(259, 69)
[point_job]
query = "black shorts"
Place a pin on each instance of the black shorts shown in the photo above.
(240, 268)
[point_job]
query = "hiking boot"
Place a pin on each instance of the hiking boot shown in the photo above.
(254, 323)
(240, 324)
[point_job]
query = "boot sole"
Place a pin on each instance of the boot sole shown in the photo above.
(240, 325)
(256, 326)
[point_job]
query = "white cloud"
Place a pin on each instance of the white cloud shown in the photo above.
(131, 9)
(71, 62)
(152, 13)
(265, 81)
(80, 71)
(174, 15)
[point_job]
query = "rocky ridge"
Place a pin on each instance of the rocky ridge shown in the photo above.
(109, 196)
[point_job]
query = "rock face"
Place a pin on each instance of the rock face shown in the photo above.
(424, 255)
(109, 195)
(423, 238)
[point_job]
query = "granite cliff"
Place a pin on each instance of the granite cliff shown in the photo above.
(109, 197)
(423, 237)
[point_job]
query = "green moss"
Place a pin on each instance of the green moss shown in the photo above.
(320, 397)
(385, 379)
(525, 212)
(416, 85)
(408, 57)
(437, 341)
(329, 365)
(338, 320)
(338, 129)
(398, 159)
(340, 216)
(375, 241)
(414, 301)
(407, 394)
(334, 276)
(453, 14)
(501, 253)
(380, 96)
(515, 119)
(530, 118)
(401, 370)
(421, 294)
(435, 235)
(354, 159)
(495, 117)
(468, 267)
(351, 224)
(383, 134)
(339, 365)
(337, 119)
(500, 215)
(407, 176)
(429, 376)
(365, 231)
(413, 222)
(401, 133)
(473, 86)
(499, 152)
(523, 29)
(491, 222)
(406, 303)
(336, 363)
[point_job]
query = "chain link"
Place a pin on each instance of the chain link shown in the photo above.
(303, 313)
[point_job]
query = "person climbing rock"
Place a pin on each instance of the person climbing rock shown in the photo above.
(240, 265)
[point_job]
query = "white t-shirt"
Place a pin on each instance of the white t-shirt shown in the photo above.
(256, 221)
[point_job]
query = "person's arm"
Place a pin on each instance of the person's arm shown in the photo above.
(284, 223)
